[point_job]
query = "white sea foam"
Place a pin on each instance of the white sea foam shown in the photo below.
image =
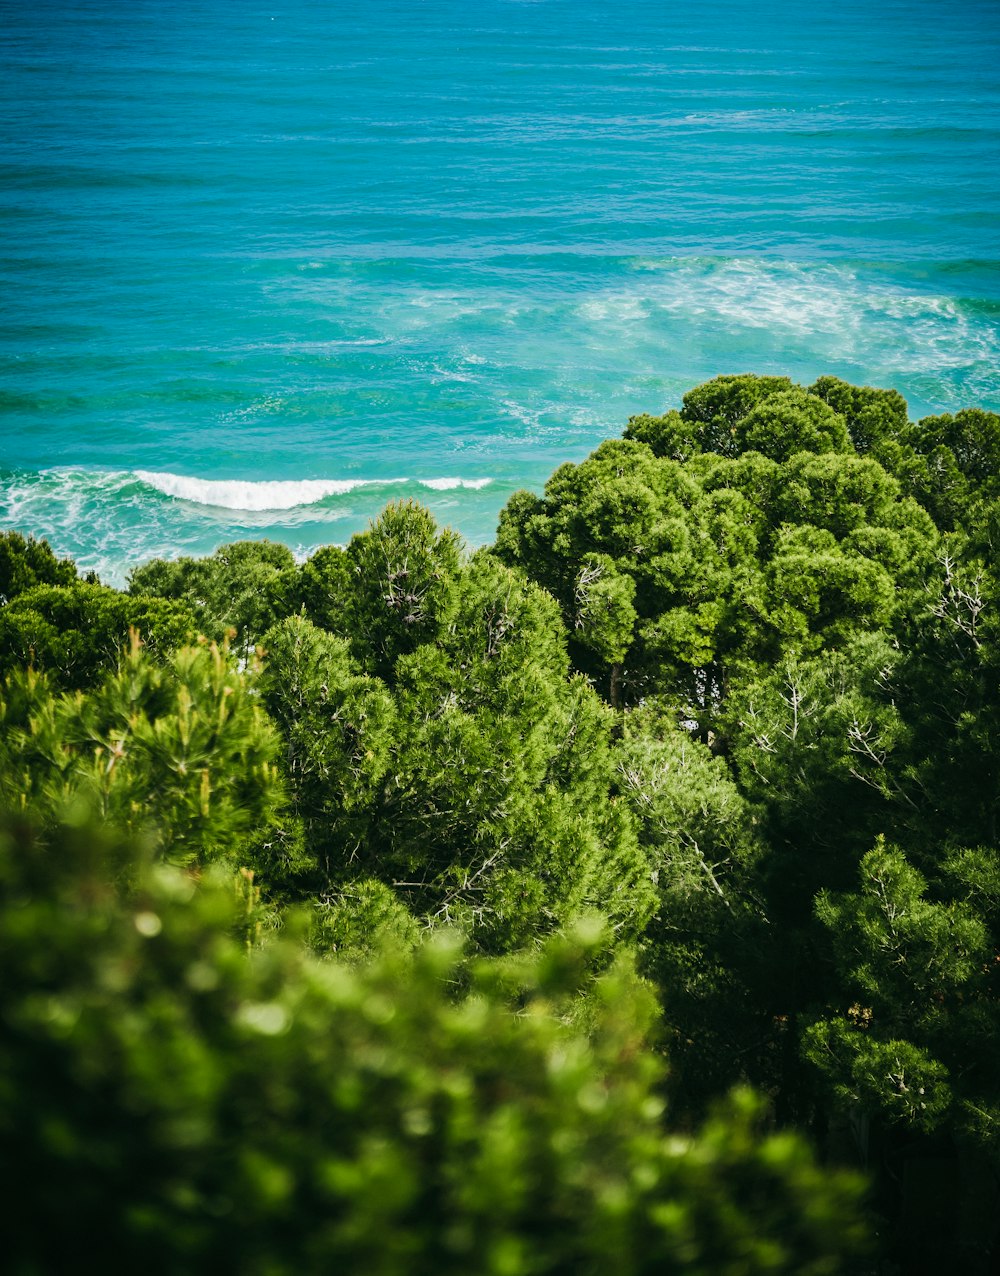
(828, 316)
(281, 494)
(619, 308)
(262, 494)
(448, 484)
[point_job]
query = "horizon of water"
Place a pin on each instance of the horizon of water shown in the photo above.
(266, 267)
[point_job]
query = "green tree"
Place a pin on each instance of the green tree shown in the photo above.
(877, 420)
(480, 784)
(957, 464)
(77, 632)
(732, 415)
(840, 547)
(180, 751)
(644, 526)
(340, 728)
(25, 562)
(245, 587)
(815, 744)
(605, 617)
(949, 692)
(674, 580)
(700, 946)
(908, 1045)
(391, 590)
(710, 418)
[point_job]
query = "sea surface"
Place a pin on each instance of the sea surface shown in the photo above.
(264, 267)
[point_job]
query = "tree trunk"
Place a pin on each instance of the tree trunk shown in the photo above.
(615, 690)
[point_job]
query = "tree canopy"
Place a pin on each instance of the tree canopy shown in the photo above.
(574, 905)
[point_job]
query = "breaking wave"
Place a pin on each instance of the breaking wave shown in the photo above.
(110, 520)
(282, 494)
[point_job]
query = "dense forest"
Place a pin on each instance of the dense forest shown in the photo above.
(622, 897)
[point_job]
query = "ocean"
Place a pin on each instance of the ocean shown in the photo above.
(265, 267)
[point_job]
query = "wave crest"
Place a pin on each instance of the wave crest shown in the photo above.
(279, 494)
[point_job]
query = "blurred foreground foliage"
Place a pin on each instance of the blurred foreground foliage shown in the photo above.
(183, 1105)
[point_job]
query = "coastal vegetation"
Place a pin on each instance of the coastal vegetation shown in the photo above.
(621, 897)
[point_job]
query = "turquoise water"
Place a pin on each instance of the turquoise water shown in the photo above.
(265, 267)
